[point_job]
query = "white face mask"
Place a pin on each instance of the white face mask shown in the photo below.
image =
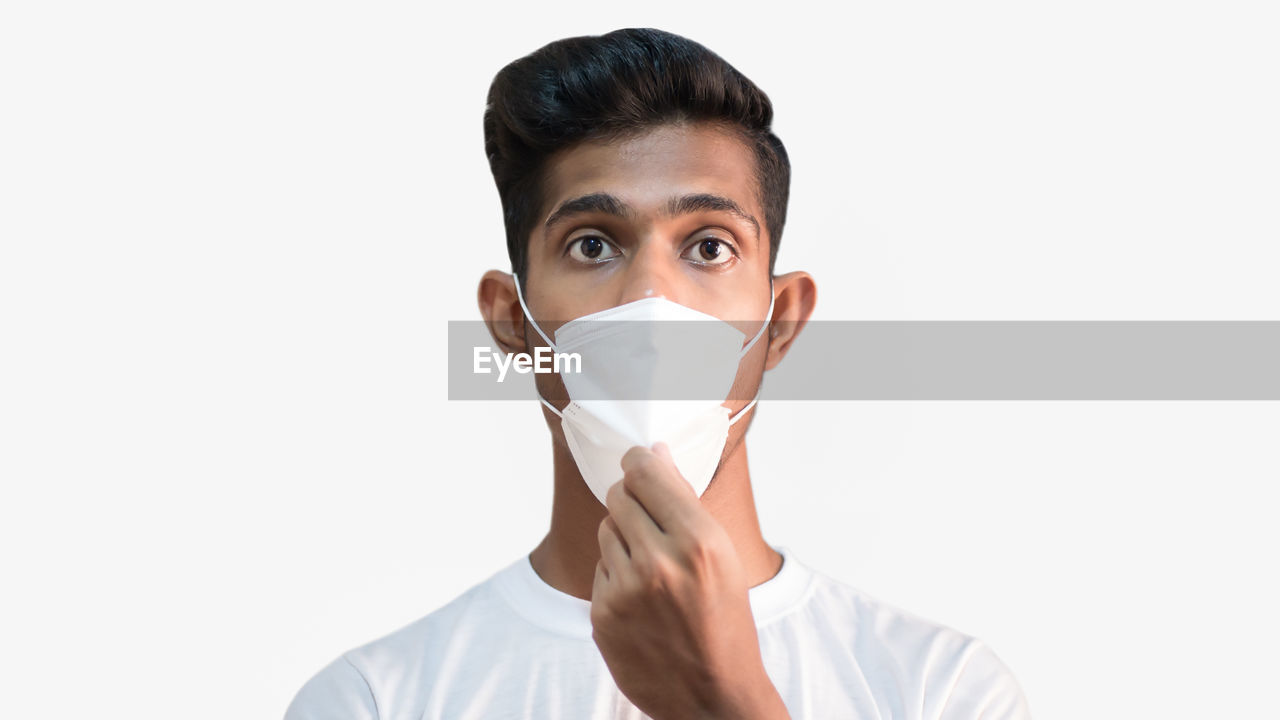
(642, 362)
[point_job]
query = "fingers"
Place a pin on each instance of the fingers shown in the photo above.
(662, 451)
(634, 525)
(656, 484)
(599, 585)
(613, 549)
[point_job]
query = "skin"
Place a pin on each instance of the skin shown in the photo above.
(667, 572)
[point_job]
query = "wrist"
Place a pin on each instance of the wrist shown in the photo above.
(758, 699)
(768, 704)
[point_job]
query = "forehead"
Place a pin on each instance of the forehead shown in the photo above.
(648, 168)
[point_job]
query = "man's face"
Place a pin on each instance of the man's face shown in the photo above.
(672, 213)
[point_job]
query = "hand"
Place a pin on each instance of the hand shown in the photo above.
(669, 604)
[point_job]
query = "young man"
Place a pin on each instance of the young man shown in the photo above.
(639, 177)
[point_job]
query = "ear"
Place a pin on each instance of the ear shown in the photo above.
(501, 310)
(794, 296)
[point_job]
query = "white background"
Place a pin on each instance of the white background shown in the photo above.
(233, 234)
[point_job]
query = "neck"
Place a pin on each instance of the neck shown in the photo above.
(566, 558)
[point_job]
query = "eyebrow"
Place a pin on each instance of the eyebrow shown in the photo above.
(681, 205)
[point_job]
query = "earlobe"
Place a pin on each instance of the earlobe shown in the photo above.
(501, 311)
(795, 296)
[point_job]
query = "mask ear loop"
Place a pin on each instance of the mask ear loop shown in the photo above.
(550, 407)
(744, 410)
(768, 317)
(534, 323)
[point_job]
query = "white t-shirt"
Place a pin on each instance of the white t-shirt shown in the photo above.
(513, 647)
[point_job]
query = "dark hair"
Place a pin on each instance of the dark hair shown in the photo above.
(610, 86)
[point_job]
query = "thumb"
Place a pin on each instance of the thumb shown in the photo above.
(661, 450)
(663, 453)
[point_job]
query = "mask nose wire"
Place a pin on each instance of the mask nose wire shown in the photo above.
(528, 315)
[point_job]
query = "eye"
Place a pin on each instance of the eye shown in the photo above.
(591, 249)
(710, 251)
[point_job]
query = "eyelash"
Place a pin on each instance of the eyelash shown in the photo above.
(578, 240)
(732, 248)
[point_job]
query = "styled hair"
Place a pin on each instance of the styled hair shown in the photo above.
(613, 86)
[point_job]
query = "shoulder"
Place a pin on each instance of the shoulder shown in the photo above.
(394, 667)
(984, 688)
(955, 676)
(338, 692)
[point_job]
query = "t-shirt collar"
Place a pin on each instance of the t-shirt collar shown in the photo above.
(531, 597)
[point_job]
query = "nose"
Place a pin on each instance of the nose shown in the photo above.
(651, 272)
